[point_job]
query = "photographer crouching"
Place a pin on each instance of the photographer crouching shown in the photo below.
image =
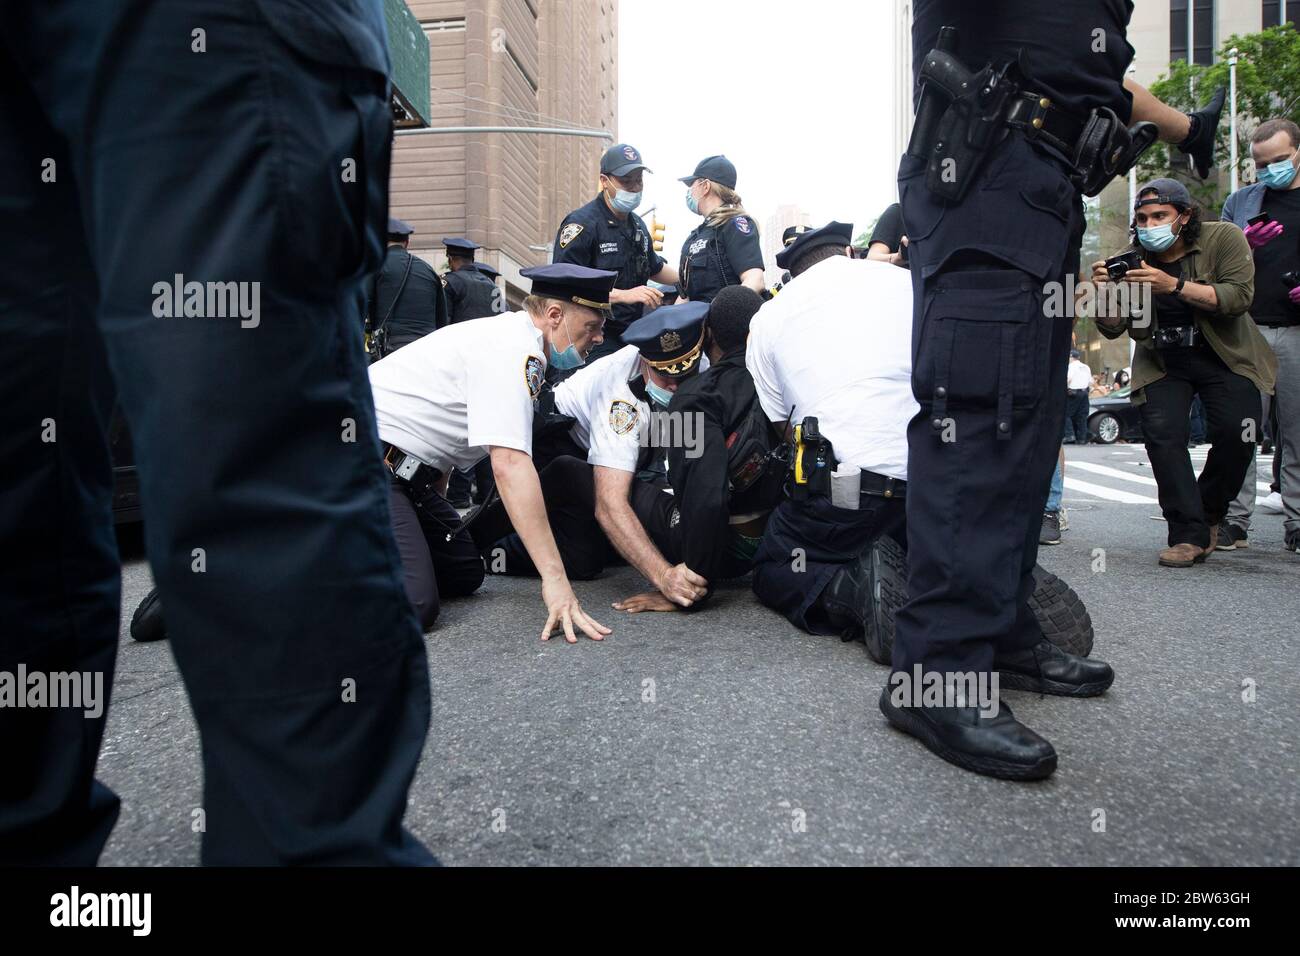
(1194, 337)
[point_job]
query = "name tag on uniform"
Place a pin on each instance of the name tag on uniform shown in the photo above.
(608, 248)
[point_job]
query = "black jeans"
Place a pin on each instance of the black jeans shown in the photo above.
(1076, 416)
(1232, 424)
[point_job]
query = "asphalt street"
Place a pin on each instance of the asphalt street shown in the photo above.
(730, 738)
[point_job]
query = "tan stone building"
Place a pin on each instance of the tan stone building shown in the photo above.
(537, 63)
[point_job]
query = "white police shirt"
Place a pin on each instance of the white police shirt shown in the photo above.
(836, 345)
(611, 422)
(449, 395)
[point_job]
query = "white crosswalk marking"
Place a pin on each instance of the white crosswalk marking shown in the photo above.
(1123, 475)
(1108, 471)
(1106, 493)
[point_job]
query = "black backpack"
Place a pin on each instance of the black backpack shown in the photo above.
(757, 462)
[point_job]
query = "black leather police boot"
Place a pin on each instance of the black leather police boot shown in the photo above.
(1199, 143)
(845, 599)
(998, 746)
(1047, 669)
(862, 598)
(147, 621)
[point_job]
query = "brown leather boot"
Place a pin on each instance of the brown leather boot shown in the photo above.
(1182, 555)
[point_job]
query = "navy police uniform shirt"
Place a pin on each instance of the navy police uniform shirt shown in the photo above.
(471, 295)
(714, 257)
(592, 236)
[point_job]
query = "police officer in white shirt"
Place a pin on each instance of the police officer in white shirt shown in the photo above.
(1078, 380)
(597, 509)
(466, 391)
(836, 345)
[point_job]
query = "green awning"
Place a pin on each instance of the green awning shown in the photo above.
(408, 48)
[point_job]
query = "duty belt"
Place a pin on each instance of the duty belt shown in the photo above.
(882, 486)
(410, 469)
(962, 114)
(1035, 115)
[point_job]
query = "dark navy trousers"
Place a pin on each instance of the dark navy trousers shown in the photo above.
(243, 145)
(989, 366)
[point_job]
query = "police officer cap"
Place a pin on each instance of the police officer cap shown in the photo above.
(621, 159)
(716, 169)
(459, 246)
(671, 338)
(487, 270)
(793, 233)
(833, 233)
(1168, 191)
(570, 283)
(399, 227)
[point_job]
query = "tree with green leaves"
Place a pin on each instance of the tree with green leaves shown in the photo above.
(1268, 85)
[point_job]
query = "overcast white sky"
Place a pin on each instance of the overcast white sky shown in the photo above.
(797, 94)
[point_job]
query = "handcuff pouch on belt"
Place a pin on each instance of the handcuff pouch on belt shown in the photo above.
(963, 114)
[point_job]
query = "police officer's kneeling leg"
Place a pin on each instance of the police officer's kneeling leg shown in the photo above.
(417, 563)
(815, 563)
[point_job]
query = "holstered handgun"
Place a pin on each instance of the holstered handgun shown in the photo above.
(961, 116)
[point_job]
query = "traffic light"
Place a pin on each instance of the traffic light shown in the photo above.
(657, 234)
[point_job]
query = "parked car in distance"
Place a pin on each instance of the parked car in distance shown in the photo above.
(1113, 417)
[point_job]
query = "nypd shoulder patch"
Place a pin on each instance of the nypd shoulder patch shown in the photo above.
(622, 417)
(742, 224)
(570, 232)
(534, 375)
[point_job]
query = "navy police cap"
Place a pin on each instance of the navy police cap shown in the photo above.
(621, 159)
(570, 283)
(793, 233)
(833, 233)
(716, 169)
(671, 338)
(399, 227)
(487, 270)
(460, 246)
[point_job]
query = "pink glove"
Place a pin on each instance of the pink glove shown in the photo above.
(1263, 232)
(1294, 295)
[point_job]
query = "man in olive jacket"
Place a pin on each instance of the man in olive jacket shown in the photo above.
(1194, 337)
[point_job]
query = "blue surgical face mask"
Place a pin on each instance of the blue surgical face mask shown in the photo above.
(624, 201)
(658, 395)
(1157, 238)
(692, 203)
(570, 357)
(1277, 175)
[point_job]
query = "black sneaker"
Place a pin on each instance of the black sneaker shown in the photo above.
(1293, 540)
(1050, 532)
(1231, 538)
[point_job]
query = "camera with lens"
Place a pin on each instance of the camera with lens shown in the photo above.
(1175, 337)
(1291, 279)
(1117, 266)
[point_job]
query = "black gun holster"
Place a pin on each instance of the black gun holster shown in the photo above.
(963, 114)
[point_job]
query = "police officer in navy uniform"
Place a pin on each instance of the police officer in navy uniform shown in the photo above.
(724, 249)
(406, 300)
(987, 232)
(251, 417)
(470, 293)
(607, 233)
